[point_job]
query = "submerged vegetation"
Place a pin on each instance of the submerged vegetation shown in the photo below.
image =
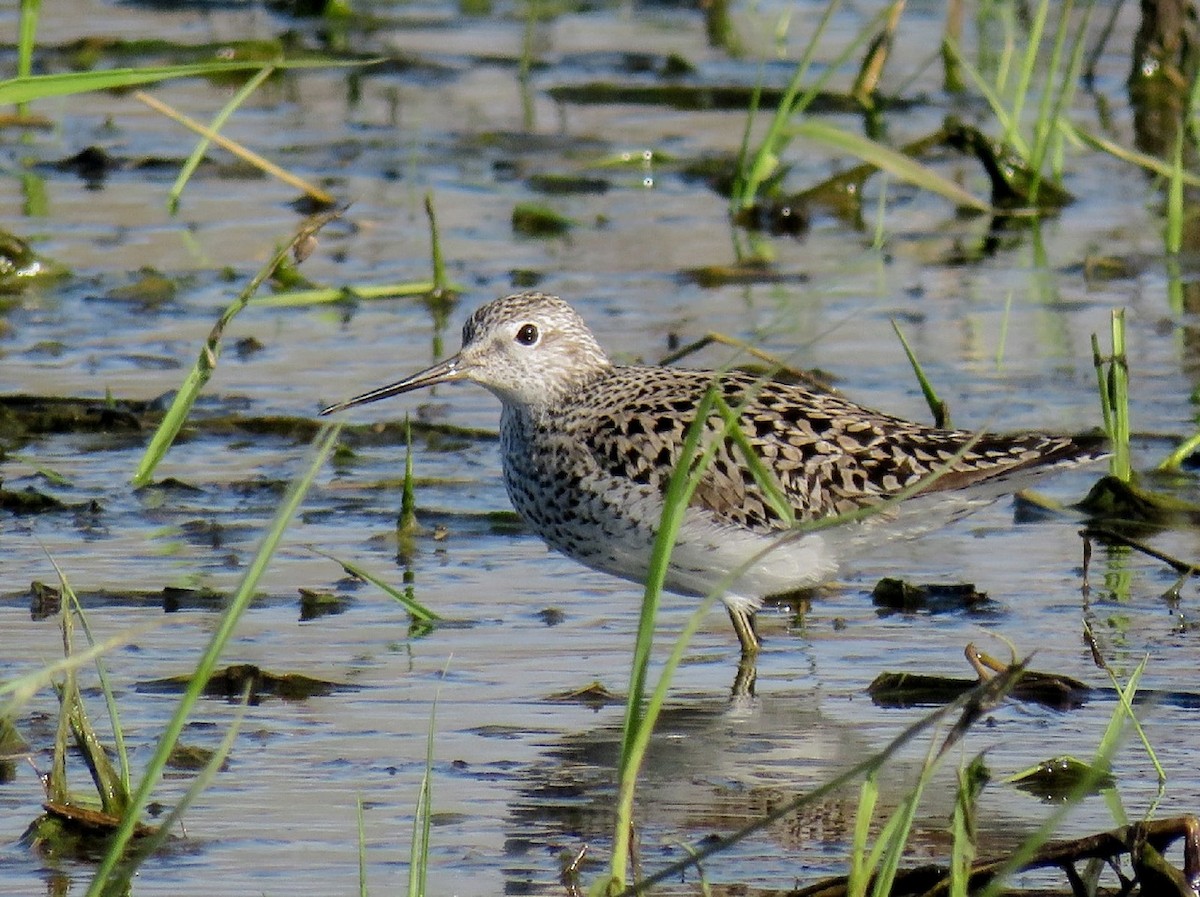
(1009, 104)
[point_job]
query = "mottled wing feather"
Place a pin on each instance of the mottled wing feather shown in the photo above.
(828, 454)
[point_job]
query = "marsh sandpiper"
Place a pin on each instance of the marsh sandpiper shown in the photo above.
(588, 447)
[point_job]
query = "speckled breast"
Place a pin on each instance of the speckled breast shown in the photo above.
(561, 493)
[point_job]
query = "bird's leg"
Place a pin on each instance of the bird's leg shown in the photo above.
(747, 672)
(743, 682)
(743, 625)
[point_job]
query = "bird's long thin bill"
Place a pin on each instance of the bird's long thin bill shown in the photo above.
(442, 372)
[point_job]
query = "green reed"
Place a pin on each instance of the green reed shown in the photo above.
(107, 880)
(111, 787)
(937, 406)
(27, 23)
(886, 159)
(406, 523)
(72, 605)
(26, 89)
(1173, 234)
(421, 615)
(969, 708)
(640, 716)
(701, 442)
(210, 353)
(1099, 766)
(1007, 98)
(753, 169)
(418, 857)
(362, 846)
(197, 155)
(441, 283)
(1112, 380)
(122, 876)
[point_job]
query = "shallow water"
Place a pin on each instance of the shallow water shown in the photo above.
(522, 776)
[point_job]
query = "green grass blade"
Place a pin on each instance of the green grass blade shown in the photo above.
(406, 525)
(887, 159)
(52, 475)
(1033, 45)
(740, 185)
(123, 876)
(988, 690)
(1048, 133)
(172, 422)
(325, 441)
(860, 873)
(206, 361)
(1108, 743)
(73, 718)
(27, 36)
(58, 788)
(1002, 340)
(1043, 127)
(641, 739)
(349, 293)
(1174, 231)
(879, 235)
(1152, 164)
(1003, 116)
(1183, 451)
(939, 409)
(680, 487)
(764, 478)
(675, 505)
(37, 87)
(884, 861)
(362, 848)
(418, 860)
(765, 159)
(420, 613)
(441, 283)
(1118, 378)
(114, 797)
(1193, 109)
(197, 155)
(889, 849)
(1068, 83)
(114, 716)
(971, 780)
(1102, 387)
(778, 135)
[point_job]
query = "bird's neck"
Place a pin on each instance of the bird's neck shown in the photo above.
(534, 402)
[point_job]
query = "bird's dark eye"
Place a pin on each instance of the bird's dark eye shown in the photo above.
(527, 335)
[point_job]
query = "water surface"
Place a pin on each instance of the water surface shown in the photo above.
(522, 777)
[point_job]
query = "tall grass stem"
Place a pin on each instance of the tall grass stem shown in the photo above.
(324, 443)
(210, 352)
(197, 155)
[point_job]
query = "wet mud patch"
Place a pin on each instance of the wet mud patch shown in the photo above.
(233, 682)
